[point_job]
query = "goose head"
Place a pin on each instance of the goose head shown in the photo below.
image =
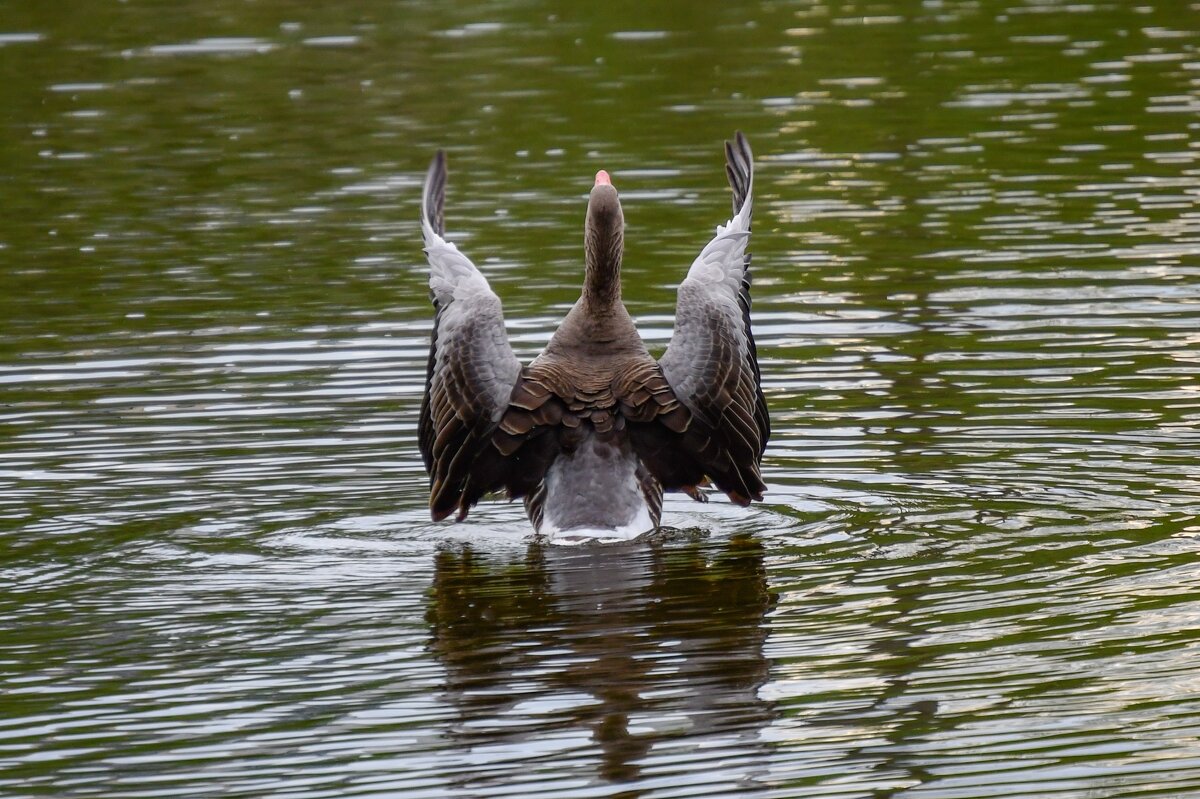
(603, 242)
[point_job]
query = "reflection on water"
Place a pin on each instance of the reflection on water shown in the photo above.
(976, 293)
(628, 646)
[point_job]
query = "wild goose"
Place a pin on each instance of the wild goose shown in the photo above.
(593, 430)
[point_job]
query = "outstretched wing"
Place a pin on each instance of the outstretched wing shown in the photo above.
(711, 362)
(471, 371)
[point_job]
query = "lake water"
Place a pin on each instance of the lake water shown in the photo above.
(977, 298)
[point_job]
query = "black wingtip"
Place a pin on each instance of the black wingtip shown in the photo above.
(434, 200)
(437, 169)
(739, 168)
(743, 146)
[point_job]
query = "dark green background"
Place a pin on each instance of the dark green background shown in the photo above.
(977, 291)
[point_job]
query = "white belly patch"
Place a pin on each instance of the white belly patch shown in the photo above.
(593, 494)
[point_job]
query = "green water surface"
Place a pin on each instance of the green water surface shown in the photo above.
(977, 300)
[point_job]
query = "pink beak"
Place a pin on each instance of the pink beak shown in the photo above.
(602, 178)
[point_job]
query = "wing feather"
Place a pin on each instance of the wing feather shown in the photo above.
(471, 369)
(711, 362)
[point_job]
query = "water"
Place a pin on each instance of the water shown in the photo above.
(977, 250)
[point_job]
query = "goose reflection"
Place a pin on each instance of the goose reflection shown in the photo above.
(618, 649)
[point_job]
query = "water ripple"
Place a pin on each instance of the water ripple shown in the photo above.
(975, 305)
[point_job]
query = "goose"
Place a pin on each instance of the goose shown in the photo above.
(593, 430)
